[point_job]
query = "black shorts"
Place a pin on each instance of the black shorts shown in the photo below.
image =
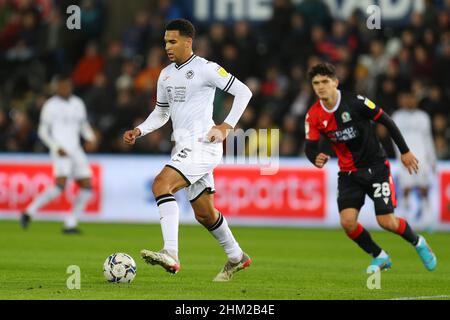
(375, 181)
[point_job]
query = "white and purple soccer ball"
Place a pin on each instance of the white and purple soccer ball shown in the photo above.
(119, 267)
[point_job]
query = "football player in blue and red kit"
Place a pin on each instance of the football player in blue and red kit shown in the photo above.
(346, 120)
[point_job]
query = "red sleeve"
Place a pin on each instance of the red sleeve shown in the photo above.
(378, 114)
(311, 131)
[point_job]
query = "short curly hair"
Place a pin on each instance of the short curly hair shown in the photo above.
(185, 27)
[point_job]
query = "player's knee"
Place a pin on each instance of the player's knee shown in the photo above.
(349, 225)
(202, 219)
(160, 186)
(424, 192)
(205, 218)
(85, 183)
(61, 183)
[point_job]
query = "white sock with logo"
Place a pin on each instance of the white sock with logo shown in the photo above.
(223, 234)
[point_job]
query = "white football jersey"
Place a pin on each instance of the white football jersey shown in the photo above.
(415, 126)
(188, 91)
(65, 121)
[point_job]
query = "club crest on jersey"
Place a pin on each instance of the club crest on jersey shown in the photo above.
(190, 74)
(345, 116)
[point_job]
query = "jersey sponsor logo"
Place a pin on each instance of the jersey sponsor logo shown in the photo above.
(180, 94)
(222, 72)
(190, 74)
(345, 116)
(343, 135)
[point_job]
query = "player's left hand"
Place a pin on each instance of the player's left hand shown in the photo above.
(90, 146)
(218, 133)
(410, 162)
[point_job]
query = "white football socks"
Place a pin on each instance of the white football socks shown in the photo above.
(80, 204)
(168, 211)
(427, 214)
(222, 233)
(382, 254)
(420, 242)
(41, 200)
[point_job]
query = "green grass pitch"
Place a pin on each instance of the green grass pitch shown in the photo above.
(288, 263)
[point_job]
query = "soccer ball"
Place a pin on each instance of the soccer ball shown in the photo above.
(119, 267)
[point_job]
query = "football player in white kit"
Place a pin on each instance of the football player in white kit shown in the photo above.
(63, 118)
(185, 94)
(415, 126)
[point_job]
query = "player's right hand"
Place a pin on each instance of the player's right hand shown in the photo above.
(410, 161)
(129, 137)
(61, 152)
(321, 160)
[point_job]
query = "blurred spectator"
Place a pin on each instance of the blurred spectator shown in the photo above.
(442, 148)
(135, 37)
(423, 66)
(125, 80)
(169, 10)
(279, 24)
(440, 126)
(316, 12)
(97, 97)
(52, 44)
(147, 78)
(217, 35)
(245, 45)
(88, 67)
(433, 103)
(92, 18)
(295, 46)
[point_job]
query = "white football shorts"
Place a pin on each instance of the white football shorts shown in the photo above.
(75, 165)
(421, 179)
(196, 163)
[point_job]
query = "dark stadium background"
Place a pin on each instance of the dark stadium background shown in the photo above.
(117, 55)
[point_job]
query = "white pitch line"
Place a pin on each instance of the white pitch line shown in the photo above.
(422, 297)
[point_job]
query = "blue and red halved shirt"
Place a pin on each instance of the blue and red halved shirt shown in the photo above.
(350, 129)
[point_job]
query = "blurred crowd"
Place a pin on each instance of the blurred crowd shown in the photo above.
(117, 78)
